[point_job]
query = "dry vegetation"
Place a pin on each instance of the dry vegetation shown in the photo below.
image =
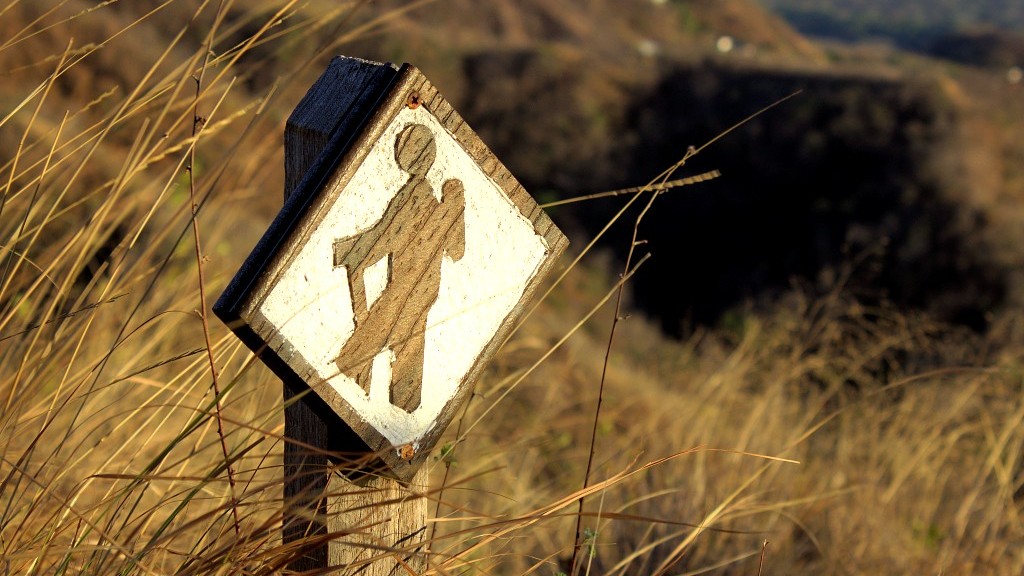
(855, 439)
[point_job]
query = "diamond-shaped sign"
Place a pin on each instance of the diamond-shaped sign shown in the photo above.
(394, 272)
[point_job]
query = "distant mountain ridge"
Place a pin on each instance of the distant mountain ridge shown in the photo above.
(912, 24)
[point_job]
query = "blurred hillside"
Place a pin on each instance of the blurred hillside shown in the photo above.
(905, 164)
(867, 164)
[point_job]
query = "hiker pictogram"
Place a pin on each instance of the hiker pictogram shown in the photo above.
(401, 261)
(410, 239)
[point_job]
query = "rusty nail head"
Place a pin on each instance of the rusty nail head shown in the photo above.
(407, 452)
(413, 101)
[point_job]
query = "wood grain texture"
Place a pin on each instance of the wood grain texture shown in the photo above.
(384, 523)
(343, 96)
(381, 511)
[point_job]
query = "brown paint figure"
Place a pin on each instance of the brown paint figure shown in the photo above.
(414, 233)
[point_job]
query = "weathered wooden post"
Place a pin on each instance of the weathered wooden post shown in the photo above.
(402, 254)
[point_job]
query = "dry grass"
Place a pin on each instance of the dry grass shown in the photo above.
(908, 435)
(901, 471)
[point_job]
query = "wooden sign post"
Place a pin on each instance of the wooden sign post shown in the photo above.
(402, 255)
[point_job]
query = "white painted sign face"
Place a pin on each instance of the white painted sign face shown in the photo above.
(311, 305)
(402, 278)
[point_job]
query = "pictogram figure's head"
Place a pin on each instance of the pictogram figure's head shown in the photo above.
(415, 150)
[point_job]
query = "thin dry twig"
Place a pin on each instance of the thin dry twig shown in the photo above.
(197, 124)
(661, 187)
(617, 317)
(658, 189)
(760, 563)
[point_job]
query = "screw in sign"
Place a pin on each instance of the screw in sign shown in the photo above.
(392, 275)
